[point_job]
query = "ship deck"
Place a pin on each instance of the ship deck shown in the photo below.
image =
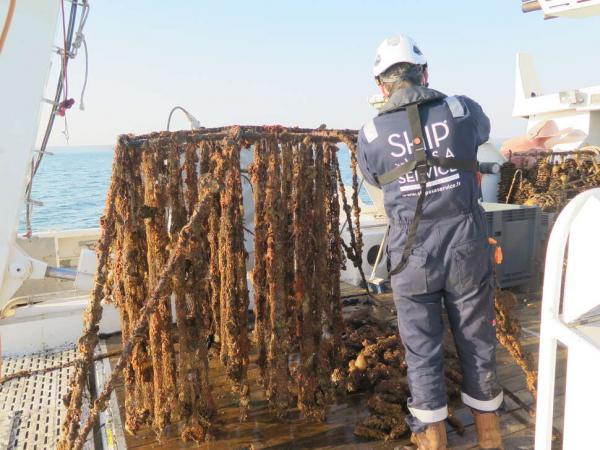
(262, 431)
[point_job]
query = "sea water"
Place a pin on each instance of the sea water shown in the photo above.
(72, 185)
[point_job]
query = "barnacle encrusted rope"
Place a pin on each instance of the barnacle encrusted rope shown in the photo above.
(232, 264)
(161, 343)
(128, 290)
(355, 237)
(258, 172)
(507, 333)
(160, 289)
(89, 339)
(278, 345)
(333, 307)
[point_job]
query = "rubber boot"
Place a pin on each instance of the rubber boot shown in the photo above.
(433, 438)
(487, 425)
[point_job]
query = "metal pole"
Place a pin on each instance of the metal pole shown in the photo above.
(379, 253)
(61, 273)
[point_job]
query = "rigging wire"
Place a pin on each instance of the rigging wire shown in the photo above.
(72, 41)
(7, 22)
(65, 52)
(66, 103)
(77, 43)
(85, 78)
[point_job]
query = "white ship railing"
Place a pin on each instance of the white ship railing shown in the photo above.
(571, 316)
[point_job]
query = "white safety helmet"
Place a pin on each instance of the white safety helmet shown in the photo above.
(397, 49)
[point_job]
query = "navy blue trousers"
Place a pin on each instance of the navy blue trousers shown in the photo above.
(450, 266)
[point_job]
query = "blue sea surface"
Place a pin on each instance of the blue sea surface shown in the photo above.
(72, 185)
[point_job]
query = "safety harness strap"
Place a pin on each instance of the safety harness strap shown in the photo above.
(467, 165)
(412, 233)
(421, 168)
(419, 144)
(396, 172)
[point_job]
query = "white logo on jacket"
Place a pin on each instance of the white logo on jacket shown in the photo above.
(435, 135)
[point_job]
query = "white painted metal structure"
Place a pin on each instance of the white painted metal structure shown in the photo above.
(50, 321)
(373, 227)
(576, 108)
(574, 9)
(571, 316)
(46, 321)
(24, 70)
(60, 248)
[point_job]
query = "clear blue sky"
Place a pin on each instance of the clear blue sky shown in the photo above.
(306, 62)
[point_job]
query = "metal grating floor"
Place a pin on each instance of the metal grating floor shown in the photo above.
(31, 407)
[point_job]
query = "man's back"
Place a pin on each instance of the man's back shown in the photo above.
(453, 127)
(422, 151)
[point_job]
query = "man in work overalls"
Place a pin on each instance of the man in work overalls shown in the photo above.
(422, 151)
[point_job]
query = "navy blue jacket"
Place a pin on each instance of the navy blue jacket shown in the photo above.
(453, 127)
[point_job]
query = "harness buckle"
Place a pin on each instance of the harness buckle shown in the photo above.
(421, 169)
